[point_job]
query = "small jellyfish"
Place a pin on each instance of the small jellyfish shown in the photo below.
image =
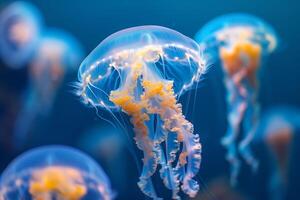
(241, 42)
(106, 143)
(20, 29)
(54, 173)
(277, 128)
(142, 71)
(57, 54)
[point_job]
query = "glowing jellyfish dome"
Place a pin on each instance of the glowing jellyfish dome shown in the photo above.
(241, 42)
(20, 29)
(141, 71)
(54, 172)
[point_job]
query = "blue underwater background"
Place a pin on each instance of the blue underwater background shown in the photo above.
(69, 119)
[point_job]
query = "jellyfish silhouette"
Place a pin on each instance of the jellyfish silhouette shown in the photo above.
(277, 128)
(58, 54)
(242, 42)
(54, 172)
(20, 29)
(106, 143)
(141, 70)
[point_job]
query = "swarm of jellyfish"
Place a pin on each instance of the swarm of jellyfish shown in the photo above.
(54, 173)
(241, 42)
(20, 29)
(141, 71)
(277, 128)
(57, 54)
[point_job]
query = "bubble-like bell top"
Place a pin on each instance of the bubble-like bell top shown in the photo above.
(29, 167)
(20, 28)
(170, 55)
(137, 38)
(230, 28)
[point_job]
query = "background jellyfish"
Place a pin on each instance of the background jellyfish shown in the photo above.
(241, 42)
(58, 53)
(141, 71)
(277, 129)
(20, 29)
(107, 144)
(54, 172)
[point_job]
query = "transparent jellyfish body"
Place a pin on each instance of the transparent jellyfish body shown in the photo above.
(20, 28)
(241, 42)
(276, 129)
(54, 173)
(141, 71)
(57, 54)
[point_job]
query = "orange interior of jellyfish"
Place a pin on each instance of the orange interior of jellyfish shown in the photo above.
(279, 143)
(242, 55)
(66, 182)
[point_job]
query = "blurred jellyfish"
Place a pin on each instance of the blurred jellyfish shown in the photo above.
(20, 29)
(276, 129)
(141, 71)
(54, 173)
(58, 53)
(107, 144)
(104, 142)
(241, 42)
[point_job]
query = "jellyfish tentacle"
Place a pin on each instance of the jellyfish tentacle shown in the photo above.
(158, 99)
(250, 127)
(126, 100)
(26, 117)
(167, 172)
(175, 122)
(237, 106)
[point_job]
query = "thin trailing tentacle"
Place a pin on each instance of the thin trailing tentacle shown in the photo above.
(236, 110)
(249, 123)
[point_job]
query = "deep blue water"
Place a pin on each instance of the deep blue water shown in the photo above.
(92, 21)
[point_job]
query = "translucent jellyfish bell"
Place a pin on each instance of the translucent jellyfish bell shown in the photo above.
(54, 172)
(168, 54)
(241, 42)
(20, 29)
(142, 70)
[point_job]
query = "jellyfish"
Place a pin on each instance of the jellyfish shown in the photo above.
(57, 54)
(54, 172)
(141, 71)
(241, 42)
(276, 129)
(106, 143)
(20, 29)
